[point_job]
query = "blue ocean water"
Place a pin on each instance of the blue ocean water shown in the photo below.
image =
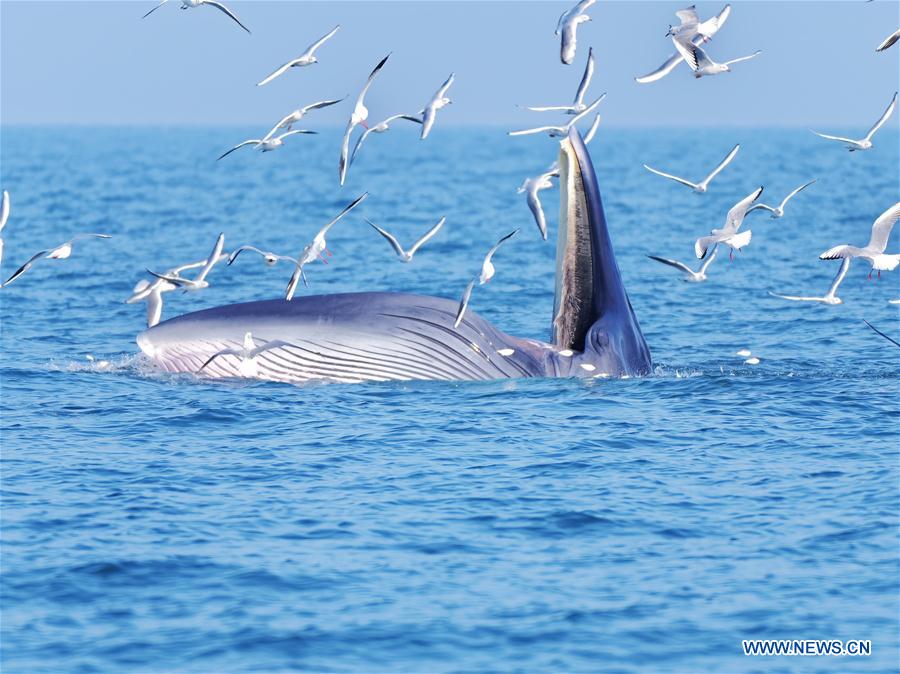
(159, 523)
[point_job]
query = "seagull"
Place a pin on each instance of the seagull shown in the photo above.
(567, 27)
(874, 250)
(561, 131)
(778, 211)
(700, 62)
(247, 354)
(288, 121)
(187, 4)
(381, 127)
(863, 143)
(307, 58)
(151, 292)
(61, 252)
(487, 267)
(827, 298)
(317, 247)
(690, 26)
(359, 116)
(531, 187)
(578, 104)
(4, 216)
(705, 32)
(199, 282)
(879, 332)
(729, 233)
(438, 101)
(464, 303)
(265, 144)
(271, 259)
(407, 255)
(703, 185)
(888, 43)
(689, 274)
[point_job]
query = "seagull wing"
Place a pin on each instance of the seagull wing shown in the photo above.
(670, 176)
(588, 110)
(887, 113)
(391, 239)
(688, 52)
(586, 77)
(761, 207)
(589, 136)
(426, 236)
(725, 162)
(275, 128)
(409, 118)
(881, 229)
(446, 85)
(345, 149)
(539, 129)
(25, 267)
(375, 71)
(688, 16)
(358, 145)
(837, 138)
(662, 71)
(673, 263)
(737, 212)
(738, 60)
(537, 210)
(568, 43)
(228, 12)
(322, 40)
(4, 210)
(548, 108)
(268, 346)
(275, 74)
(889, 41)
(464, 303)
(295, 132)
(427, 121)
(320, 104)
(213, 258)
(223, 352)
(356, 202)
(879, 332)
(794, 193)
(154, 9)
(235, 253)
(253, 141)
(496, 246)
(839, 277)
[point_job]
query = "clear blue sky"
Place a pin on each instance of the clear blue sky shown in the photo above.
(99, 63)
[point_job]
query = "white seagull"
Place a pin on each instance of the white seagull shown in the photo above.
(827, 298)
(561, 131)
(578, 104)
(199, 282)
(703, 185)
(705, 31)
(271, 259)
(407, 255)
(188, 4)
(288, 121)
(778, 211)
(265, 144)
(4, 216)
(61, 252)
(438, 101)
(464, 303)
(359, 116)
(152, 292)
(247, 354)
(702, 64)
(689, 274)
(381, 127)
(316, 247)
(567, 26)
(889, 41)
(729, 233)
(874, 250)
(487, 267)
(531, 187)
(307, 58)
(863, 143)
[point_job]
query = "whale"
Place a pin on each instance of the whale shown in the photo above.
(389, 336)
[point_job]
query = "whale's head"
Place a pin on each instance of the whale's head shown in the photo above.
(591, 313)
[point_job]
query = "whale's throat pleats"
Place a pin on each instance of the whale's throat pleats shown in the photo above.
(573, 302)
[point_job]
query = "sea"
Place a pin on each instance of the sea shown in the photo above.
(169, 523)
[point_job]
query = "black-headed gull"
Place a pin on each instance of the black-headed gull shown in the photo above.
(578, 104)
(728, 234)
(828, 298)
(199, 282)
(561, 131)
(407, 255)
(689, 274)
(307, 58)
(567, 27)
(778, 211)
(60, 252)
(247, 354)
(863, 143)
(359, 116)
(531, 187)
(188, 4)
(265, 144)
(889, 41)
(703, 185)
(381, 127)
(702, 64)
(438, 101)
(873, 251)
(288, 121)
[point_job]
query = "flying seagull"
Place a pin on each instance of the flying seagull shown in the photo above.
(152, 292)
(188, 4)
(567, 26)
(487, 267)
(61, 252)
(247, 353)
(778, 211)
(729, 233)
(578, 105)
(307, 58)
(199, 282)
(316, 247)
(288, 121)
(267, 144)
(874, 250)
(359, 116)
(690, 26)
(689, 274)
(703, 185)
(4, 216)
(702, 64)
(889, 42)
(407, 255)
(827, 298)
(561, 131)
(531, 187)
(864, 143)
(438, 101)
(381, 127)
